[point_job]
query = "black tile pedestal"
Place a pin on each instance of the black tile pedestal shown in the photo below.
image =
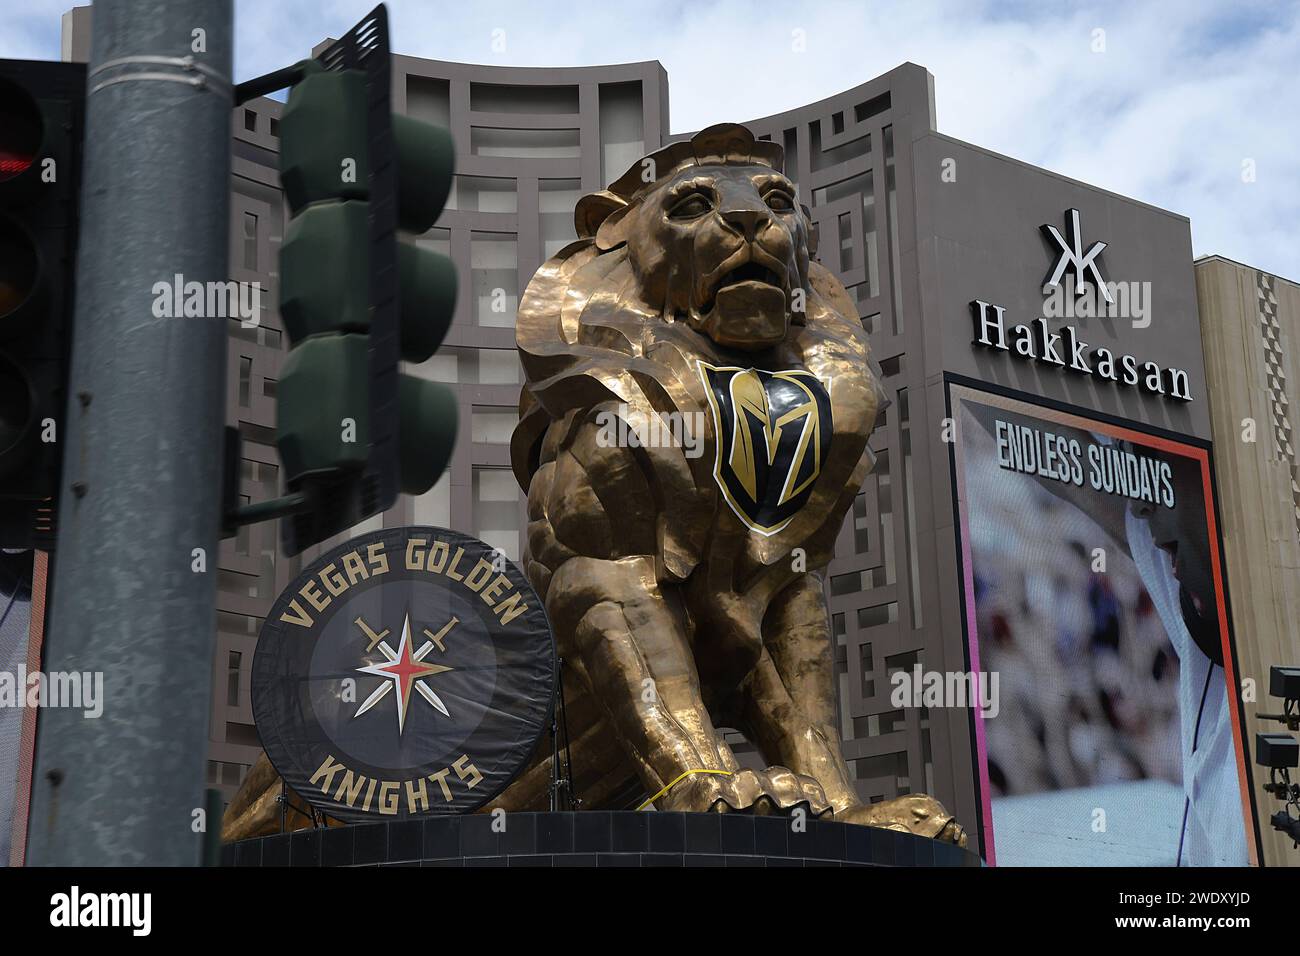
(597, 838)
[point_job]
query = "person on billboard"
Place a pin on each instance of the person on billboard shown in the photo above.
(1168, 543)
(1171, 551)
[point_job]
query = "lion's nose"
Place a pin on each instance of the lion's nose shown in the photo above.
(746, 219)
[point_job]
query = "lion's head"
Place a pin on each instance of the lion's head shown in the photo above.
(701, 250)
(714, 236)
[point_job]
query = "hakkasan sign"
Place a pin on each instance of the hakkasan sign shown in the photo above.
(1076, 286)
(407, 672)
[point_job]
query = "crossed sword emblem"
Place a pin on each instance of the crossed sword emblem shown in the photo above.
(403, 671)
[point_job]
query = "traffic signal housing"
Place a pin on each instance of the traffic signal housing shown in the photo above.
(352, 430)
(42, 108)
(1280, 753)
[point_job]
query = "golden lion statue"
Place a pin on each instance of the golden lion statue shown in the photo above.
(693, 429)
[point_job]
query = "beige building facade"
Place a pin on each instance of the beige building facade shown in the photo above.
(1250, 331)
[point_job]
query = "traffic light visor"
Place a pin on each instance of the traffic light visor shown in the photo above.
(426, 160)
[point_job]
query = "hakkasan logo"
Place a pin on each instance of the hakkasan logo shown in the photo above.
(1064, 347)
(408, 671)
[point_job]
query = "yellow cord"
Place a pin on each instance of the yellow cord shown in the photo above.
(680, 778)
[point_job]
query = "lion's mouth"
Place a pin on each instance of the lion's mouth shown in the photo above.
(750, 272)
(747, 307)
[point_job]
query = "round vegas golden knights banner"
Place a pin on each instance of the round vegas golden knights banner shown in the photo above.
(406, 672)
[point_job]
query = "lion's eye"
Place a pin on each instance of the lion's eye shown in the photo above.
(691, 207)
(779, 200)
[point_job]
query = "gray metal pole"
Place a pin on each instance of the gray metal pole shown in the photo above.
(133, 598)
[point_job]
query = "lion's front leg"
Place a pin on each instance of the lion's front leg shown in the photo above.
(789, 709)
(633, 642)
(788, 705)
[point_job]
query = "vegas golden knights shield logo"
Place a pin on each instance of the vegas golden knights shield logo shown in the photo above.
(773, 433)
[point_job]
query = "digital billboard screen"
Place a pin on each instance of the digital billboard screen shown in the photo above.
(1094, 592)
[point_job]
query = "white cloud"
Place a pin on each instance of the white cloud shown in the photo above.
(1182, 95)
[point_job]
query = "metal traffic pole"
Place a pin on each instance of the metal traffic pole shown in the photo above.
(135, 570)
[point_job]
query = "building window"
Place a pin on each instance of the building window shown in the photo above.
(525, 143)
(846, 242)
(245, 380)
(891, 211)
(237, 584)
(428, 100)
(250, 121)
(556, 200)
(861, 186)
(275, 128)
(259, 335)
(243, 537)
(622, 138)
(250, 242)
(240, 624)
(498, 366)
(471, 366)
(496, 509)
(486, 194)
(491, 425)
(790, 139)
(442, 366)
(232, 678)
(434, 506)
(499, 98)
(494, 264)
(834, 155)
(437, 239)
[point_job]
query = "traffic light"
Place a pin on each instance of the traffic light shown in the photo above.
(41, 121)
(1280, 753)
(351, 430)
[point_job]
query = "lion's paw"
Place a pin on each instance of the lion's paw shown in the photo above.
(914, 813)
(774, 791)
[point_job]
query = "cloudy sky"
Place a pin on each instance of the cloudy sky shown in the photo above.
(1167, 101)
